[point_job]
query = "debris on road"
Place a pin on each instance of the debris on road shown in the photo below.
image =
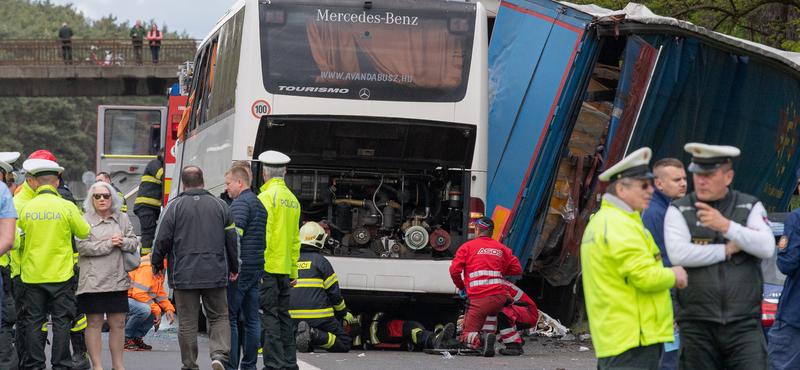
(583, 349)
(550, 327)
(586, 336)
(362, 355)
(447, 355)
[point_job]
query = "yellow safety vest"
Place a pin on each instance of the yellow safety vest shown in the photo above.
(625, 284)
(24, 195)
(49, 222)
(283, 228)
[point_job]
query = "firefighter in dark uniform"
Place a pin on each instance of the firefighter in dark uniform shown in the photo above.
(719, 236)
(46, 263)
(316, 304)
(382, 328)
(148, 203)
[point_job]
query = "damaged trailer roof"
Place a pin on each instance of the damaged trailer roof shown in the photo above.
(634, 15)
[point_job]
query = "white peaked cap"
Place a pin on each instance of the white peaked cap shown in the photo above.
(636, 166)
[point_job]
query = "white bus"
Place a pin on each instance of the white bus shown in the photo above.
(382, 106)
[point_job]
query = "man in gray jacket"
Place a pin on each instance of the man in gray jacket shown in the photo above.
(198, 236)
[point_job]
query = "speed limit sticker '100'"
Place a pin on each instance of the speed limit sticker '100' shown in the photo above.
(260, 108)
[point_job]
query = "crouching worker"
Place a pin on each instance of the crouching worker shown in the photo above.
(147, 301)
(381, 328)
(316, 304)
(521, 315)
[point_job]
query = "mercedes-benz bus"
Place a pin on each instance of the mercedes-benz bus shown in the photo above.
(382, 107)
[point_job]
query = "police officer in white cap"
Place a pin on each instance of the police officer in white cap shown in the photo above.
(625, 284)
(49, 222)
(280, 267)
(720, 236)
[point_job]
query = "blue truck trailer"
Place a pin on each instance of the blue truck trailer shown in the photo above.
(573, 88)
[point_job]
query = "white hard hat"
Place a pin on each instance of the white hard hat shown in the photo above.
(313, 234)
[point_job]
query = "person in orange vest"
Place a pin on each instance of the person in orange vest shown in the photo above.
(147, 301)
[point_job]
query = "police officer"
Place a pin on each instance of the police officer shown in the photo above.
(8, 314)
(48, 222)
(280, 267)
(148, 203)
(720, 236)
(625, 284)
(316, 304)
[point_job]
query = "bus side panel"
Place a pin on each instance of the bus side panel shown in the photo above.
(520, 118)
(211, 149)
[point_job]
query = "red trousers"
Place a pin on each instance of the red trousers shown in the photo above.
(510, 318)
(477, 312)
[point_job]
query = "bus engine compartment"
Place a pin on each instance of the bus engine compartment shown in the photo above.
(384, 214)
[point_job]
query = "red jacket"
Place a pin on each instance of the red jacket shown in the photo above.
(518, 295)
(484, 262)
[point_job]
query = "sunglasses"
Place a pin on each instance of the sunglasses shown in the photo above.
(104, 196)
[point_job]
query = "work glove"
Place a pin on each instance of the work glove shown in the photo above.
(462, 293)
(349, 318)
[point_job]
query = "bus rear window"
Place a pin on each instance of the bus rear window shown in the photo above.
(375, 54)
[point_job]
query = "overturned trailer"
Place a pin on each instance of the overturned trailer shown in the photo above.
(573, 88)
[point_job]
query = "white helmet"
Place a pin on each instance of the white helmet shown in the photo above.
(313, 234)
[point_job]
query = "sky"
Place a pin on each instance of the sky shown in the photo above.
(196, 17)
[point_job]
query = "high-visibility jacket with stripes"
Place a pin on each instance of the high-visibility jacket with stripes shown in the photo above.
(150, 190)
(317, 293)
(148, 288)
(20, 198)
(484, 262)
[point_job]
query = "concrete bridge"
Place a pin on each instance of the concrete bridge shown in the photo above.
(46, 68)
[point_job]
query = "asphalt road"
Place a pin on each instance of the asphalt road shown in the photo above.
(540, 353)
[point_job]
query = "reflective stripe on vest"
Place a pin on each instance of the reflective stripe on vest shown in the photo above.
(373, 328)
(308, 283)
(331, 341)
(475, 274)
(311, 314)
(485, 282)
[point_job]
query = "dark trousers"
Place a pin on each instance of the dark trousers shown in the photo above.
(148, 219)
(329, 334)
(22, 320)
(8, 354)
(784, 346)
(66, 50)
(637, 358)
(215, 302)
(243, 303)
(154, 49)
(137, 51)
(737, 345)
(276, 324)
(58, 300)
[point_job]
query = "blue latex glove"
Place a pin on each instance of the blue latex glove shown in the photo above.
(462, 293)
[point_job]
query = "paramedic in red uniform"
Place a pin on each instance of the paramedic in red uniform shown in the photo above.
(484, 262)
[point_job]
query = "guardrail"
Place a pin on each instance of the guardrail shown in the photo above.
(93, 52)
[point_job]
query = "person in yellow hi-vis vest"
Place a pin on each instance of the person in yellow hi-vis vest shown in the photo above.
(46, 263)
(625, 284)
(9, 239)
(280, 266)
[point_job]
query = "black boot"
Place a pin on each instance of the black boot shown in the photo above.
(512, 349)
(487, 344)
(443, 338)
(80, 359)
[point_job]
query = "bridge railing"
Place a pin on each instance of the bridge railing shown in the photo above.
(92, 52)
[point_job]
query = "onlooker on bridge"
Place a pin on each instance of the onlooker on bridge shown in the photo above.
(154, 36)
(137, 35)
(103, 283)
(65, 34)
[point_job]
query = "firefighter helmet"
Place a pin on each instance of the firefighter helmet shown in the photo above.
(313, 234)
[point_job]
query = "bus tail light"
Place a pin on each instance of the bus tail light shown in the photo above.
(274, 17)
(477, 209)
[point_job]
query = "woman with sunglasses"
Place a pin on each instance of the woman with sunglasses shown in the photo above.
(103, 283)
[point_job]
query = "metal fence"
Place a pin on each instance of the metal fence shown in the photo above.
(110, 53)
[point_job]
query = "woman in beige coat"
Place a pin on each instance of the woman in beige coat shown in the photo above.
(103, 283)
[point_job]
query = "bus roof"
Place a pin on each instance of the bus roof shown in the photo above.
(639, 19)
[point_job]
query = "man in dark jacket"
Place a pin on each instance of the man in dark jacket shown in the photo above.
(198, 236)
(784, 336)
(719, 236)
(148, 203)
(670, 184)
(316, 304)
(65, 34)
(137, 35)
(251, 223)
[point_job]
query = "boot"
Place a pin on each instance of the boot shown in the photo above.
(512, 349)
(444, 336)
(303, 337)
(80, 359)
(487, 344)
